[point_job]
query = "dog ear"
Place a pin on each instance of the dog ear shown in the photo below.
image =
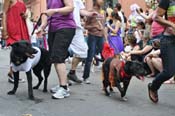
(16, 44)
(27, 43)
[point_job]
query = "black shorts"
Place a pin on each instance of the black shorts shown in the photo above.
(59, 42)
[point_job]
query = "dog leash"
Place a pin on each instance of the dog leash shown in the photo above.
(38, 22)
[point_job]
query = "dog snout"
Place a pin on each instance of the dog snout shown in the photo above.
(34, 51)
(17, 63)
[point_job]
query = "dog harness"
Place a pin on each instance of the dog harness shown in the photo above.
(29, 64)
(118, 72)
(122, 72)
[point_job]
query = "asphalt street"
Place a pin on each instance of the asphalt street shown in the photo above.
(85, 100)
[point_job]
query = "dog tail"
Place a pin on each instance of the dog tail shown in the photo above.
(106, 68)
(47, 70)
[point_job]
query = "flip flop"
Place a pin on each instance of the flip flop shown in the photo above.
(153, 97)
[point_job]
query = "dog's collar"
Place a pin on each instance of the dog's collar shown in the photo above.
(121, 70)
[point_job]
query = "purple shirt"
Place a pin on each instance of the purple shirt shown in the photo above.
(59, 21)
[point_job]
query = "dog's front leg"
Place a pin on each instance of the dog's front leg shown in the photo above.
(121, 89)
(30, 89)
(16, 81)
(125, 86)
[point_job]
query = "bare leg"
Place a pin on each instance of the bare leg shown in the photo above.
(150, 64)
(72, 74)
(61, 73)
(157, 63)
(75, 62)
(10, 73)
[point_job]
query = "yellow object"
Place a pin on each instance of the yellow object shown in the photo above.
(27, 115)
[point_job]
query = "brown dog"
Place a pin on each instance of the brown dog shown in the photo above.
(116, 72)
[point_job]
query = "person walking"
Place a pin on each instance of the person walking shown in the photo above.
(95, 35)
(60, 34)
(167, 49)
(14, 25)
(78, 46)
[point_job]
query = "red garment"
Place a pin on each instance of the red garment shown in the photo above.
(16, 24)
(122, 71)
(107, 51)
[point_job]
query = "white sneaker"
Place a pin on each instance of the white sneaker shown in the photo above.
(56, 88)
(61, 93)
(87, 81)
(92, 68)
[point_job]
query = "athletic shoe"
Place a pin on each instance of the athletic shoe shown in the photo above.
(61, 93)
(56, 88)
(73, 77)
(87, 81)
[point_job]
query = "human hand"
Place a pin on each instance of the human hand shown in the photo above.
(40, 32)
(50, 12)
(93, 14)
(148, 56)
(23, 15)
(99, 16)
(4, 34)
(138, 11)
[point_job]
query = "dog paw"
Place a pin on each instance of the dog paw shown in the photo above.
(31, 97)
(107, 94)
(111, 90)
(36, 87)
(11, 93)
(45, 90)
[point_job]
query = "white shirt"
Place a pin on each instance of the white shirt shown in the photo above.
(29, 64)
(33, 38)
(78, 5)
(29, 22)
(122, 23)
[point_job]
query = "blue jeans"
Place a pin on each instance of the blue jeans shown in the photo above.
(94, 43)
(40, 42)
(167, 44)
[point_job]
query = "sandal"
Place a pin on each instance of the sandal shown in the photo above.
(169, 82)
(152, 94)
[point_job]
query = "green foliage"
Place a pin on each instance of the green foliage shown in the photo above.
(26, 0)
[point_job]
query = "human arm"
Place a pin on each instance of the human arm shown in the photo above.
(146, 49)
(155, 53)
(161, 11)
(64, 10)
(43, 18)
(4, 20)
(136, 48)
(89, 5)
(84, 12)
(144, 15)
(87, 26)
(152, 54)
(117, 27)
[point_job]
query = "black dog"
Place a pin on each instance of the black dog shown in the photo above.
(116, 72)
(24, 57)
